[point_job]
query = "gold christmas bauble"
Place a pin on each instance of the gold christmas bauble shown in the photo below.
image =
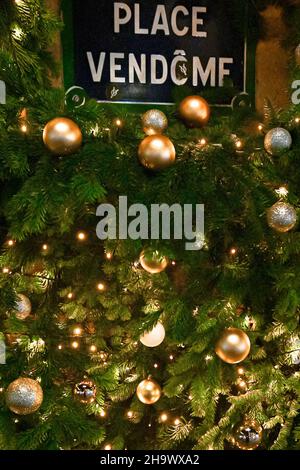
(233, 346)
(62, 136)
(154, 122)
(194, 111)
(148, 391)
(156, 152)
(24, 396)
(282, 217)
(23, 307)
(85, 391)
(152, 261)
(248, 435)
(155, 337)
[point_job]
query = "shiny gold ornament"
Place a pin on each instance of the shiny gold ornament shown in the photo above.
(233, 346)
(62, 136)
(24, 396)
(194, 111)
(23, 307)
(85, 391)
(156, 152)
(154, 122)
(154, 337)
(148, 391)
(282, 217)
(248, 435)
(153, 262)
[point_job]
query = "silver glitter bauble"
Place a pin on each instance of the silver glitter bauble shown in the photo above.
(85, 391)
(282, 217)
(24, 396)
(23, 307)
(278, 140)
(154, 122)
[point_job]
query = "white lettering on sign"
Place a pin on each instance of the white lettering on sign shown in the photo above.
(124, 15)
(158, 69)
(128, 67)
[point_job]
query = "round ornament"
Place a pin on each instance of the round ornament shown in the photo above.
(277, 141)
(248, 435)
(62, 136)
(155, 337)
(194, 111)
(153, 262)
(23, 307)
(24, 396)
(85, 391)
(148, 391)
(282, 217)
(154, 122)
(233, 346)
(156, 152)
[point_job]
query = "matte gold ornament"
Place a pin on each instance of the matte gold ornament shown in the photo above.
(24, 396)
(277, 141)
(62, 136)
(248, 435)
(282, 217)
(148, 391)
(156, 152)
(85, 391)
(194, 111)
(154, 122)
(153, 262)
(233, 346)
(23, 307)
(155, 337)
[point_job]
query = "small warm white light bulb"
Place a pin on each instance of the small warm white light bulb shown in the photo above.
(77, 331)
(70, 295)
(260, 127)
(118, 122)
(107, 447)
(59, 347)
(108, 255)
(81, 236)
(233, 251)
(171, 357)
(190, 397)
(297, 120)
(75, 345)
(177, 422)
(24, 128)
(241, 371)
(102, 414)
(155, 366)
(130, 414)
(5, 270)
(173, 263)
(242, 384)
(45, 247)
(101, 286)
(164, 417)
(93, 348)
(203, 142)
(238, 144)
(11, 242)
